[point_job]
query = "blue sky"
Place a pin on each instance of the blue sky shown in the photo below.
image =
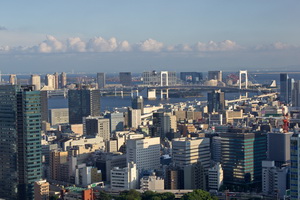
(143, 35)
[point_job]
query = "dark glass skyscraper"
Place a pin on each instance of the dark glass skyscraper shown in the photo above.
(242, 154)
(138, 103)
(216, 101)
(191, 77)
(20, 141)
(101, 80)
(125, 78)
(83, 103)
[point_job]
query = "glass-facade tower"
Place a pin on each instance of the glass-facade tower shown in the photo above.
(20, 141)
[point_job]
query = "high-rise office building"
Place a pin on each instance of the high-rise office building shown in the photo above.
(242, 155)
(216, 101)
(44, 106)
(296, 94)
(36, 81)
(101, 80)
(134, 118)
(144, 152)
(13, 79)
(191, 77)
(97, 126)
(280, 156)
(187, 151)
(63, 80)
(215, 75)
(286, 88)
(295, 167)
(56, 80)
(161, 124)
(50, 81)
(162, 78)
(20, 141)
(138, 103)
(83, 103)
(125, 78)
(116, 121)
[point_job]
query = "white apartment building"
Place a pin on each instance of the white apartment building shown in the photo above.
(124, 178)
(152, 182)
(144, 152)
(215, 177)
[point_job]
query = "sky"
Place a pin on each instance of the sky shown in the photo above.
(134, 35)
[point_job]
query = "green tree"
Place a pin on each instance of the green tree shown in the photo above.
(104, 196)
(198, 195)
(129, 195)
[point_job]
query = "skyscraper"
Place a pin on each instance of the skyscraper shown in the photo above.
(216, 75)
(82, 103)
(101, 80)
(63, 80)
(125, 78)
(50, 81)
(242, 155)
(296, 94)
(191, 77)
(138, 103)
(13, 79)
(20, 141)
(295, 177)
(216, 101)
(36, 81)
(97, 126)
(56, 80)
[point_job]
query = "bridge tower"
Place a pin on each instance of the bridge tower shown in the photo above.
(246, 78)
(245, 73)
(164, 81)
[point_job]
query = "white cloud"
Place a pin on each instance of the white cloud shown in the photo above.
(76, 45)
(226, 45)
(151, 45)
(100, 44)
(51, 45)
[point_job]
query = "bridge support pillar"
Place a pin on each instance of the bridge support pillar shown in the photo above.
(164, 93)
(151, 94)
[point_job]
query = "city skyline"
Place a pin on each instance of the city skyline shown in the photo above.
(108, 36)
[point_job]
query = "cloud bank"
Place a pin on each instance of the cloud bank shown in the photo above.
(99, 44)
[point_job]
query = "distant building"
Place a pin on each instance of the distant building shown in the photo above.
(296, 94)
(97, 126)
(50, 81)
(191, 77)
(13, 79)
(124, 178)
(101, 80)
(116, 120)
(134, 118)
(215, 75)
(41, 190)
(44, 106)
(83, 103)
(36, 81)
(144, 152)
(162, 78)
(125, 78)
(286, 88)
(216, 101)
(56, 80)
(161, 124)
(59, 116)
(63, 80)
(138, 103)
